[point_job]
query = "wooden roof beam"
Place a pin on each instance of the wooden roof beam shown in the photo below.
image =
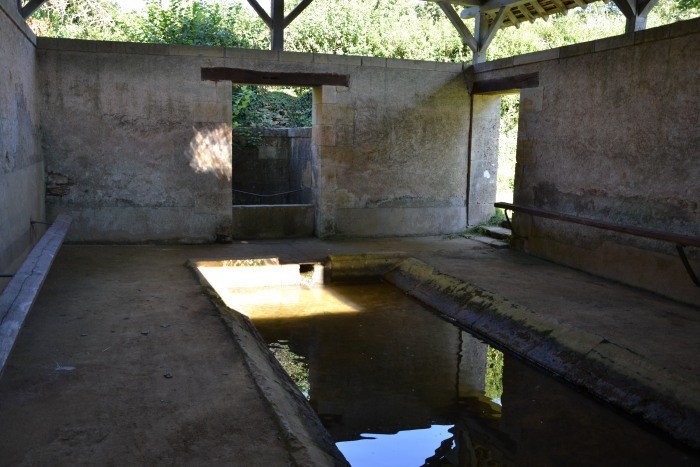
(31, 6)
(485, 33)
(457, 22)
(543, 13)
(277, 22)
(635, 12)
(560, 5)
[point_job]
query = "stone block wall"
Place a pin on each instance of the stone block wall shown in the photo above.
(611, 134)
(21, 167)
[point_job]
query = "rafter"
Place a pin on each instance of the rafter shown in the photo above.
(276, 21)
(31, 6)
(261, 12)
(457, 22)
(296, 12)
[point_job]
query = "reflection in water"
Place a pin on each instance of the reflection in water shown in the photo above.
(395, 385)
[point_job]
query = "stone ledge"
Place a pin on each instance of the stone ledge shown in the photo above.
(609, 371)
(18, 297)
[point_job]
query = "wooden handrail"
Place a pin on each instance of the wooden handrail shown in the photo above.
(679, 240)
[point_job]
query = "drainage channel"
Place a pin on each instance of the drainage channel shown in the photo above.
(393, 384)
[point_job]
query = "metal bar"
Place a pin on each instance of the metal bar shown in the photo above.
(687, 265)
(678, 239)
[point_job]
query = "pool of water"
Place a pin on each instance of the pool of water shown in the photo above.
(395, 385)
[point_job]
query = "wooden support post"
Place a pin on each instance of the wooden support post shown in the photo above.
(635, 12)
(278, 22)
(486, 33)
(277, 30)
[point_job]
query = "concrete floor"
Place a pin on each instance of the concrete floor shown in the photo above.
(124, 317)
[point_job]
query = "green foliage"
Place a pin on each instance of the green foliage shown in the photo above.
(294, 365)
(380, 28)
(188, 22)
(595, 22)
(494, 373)
(507, 144)
(88, 19)
(264, 106)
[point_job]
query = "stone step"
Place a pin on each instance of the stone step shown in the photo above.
(500, 233)
(492, 242)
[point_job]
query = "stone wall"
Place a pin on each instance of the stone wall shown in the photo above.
(21, 167)
(611, 134)
(138, 147)
(271, 160)
(391, 150)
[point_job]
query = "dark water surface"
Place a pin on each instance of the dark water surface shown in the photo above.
(395, 385)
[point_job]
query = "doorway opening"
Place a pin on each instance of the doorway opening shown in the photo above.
(507, 146)
(271, 159)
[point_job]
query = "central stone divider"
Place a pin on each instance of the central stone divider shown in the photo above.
(608, 371)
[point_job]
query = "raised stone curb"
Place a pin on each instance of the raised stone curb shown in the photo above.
(18, 297)
(308, 441)
(610, 372)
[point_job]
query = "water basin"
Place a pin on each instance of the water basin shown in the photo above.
(395, 385)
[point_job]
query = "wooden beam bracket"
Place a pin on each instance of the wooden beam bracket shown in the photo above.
(457, 22)
(31, 6)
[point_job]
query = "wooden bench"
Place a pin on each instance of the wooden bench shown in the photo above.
(681, 241)
(21, 292)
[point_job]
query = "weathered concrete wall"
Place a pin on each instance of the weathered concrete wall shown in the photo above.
(21, 167)
(271, 160)
(391, 150)
(611, 133)
(139, 148)
(483, 159)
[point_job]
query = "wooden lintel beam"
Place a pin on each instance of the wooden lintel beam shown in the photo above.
(457, 22)
(261, 12)
(511, 83)
(31, 6)
(581, 3)
(296, 12)
(243, 76)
